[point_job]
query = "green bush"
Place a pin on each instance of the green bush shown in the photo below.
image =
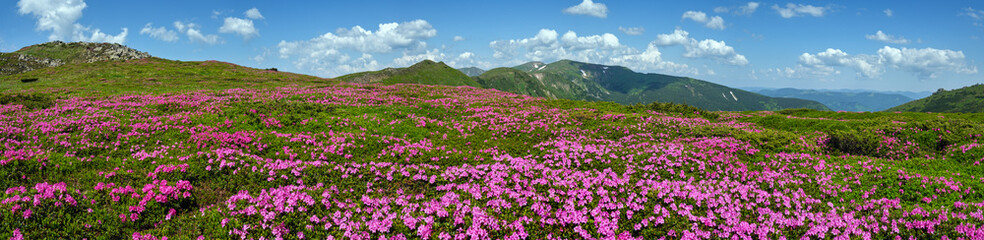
(30, 101)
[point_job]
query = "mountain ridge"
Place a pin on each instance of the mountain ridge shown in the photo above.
(969, 99)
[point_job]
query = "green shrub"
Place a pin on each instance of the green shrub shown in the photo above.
(30, 101)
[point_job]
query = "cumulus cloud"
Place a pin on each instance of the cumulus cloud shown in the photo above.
(881, 36)
(242, 27)
(547, 45)
(715, 22)
(925, 63)
(632, 30)
(159, 33)
(797, 10)
(888, 12)
(707, 48)
(458, 38)
(253, 13)
(60, 16)
(590, 8)
(195, 35)
(328, 54)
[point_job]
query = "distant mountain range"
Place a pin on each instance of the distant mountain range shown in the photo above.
(968, 99)
(472, 71)
(567, 79)
(854, 101)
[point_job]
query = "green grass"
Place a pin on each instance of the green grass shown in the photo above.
(150, 75)
(968, 99)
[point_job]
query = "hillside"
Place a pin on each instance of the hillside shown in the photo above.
(148, 75)
(841, 100)
(426, 72)
(968, 99)
(472, 71)
(583, 81)
(57, 53)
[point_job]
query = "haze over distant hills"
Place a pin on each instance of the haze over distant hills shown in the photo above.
(567, 79)
(472, 71)
(854, 101)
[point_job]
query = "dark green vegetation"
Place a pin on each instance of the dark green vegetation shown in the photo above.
(842, 101)
(426, 72)
(472, 71)
(968, 99)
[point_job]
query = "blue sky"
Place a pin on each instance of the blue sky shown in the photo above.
(879, 45)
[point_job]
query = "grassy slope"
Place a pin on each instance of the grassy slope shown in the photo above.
(151, 75)
(426, 72)
(967, 99)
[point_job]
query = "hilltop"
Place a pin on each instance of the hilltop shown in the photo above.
(88, 69)
(426, 72)
(57, 53)
(968, 99)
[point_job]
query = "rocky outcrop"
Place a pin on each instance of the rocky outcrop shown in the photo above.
(13, 63)
(57, 53)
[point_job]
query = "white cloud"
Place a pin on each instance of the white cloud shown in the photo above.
(715, 22)
(748, 9)
(678, 37)
(239, 26)
(253, 13)
(60, 16)
(328, 54)
(407, 60)
(389, 36)
(888, 12)
(973, 13)
(587, 7)
(796, 10)
(459, 38)
(881, 36)
(924, 63)
(547, 45)
(867, 66)
(159, 33)
(195, 35)
(632, 30)
(707, 48)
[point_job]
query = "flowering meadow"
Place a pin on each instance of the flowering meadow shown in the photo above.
(352, 161)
